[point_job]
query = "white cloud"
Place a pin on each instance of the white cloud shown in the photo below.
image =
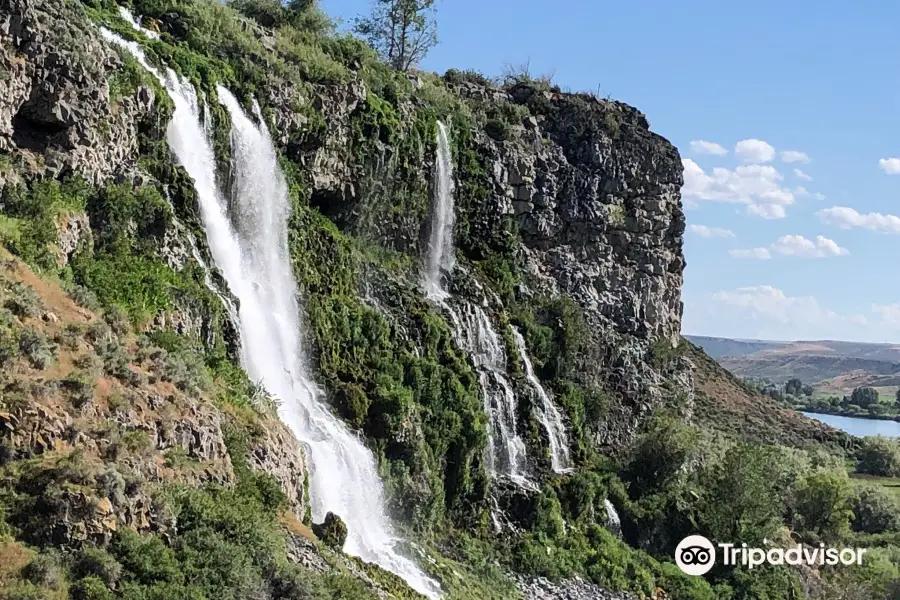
(818, 196)
(792, 156)
(771, 303)
(754, 151)
(704, 147)
(890, 313)
(801, 175)
(757, 253)
(794, 245)
(847, 218)
(767, 312)
(797, 245)
(801, 191)
(758, 187)
(891, 166)
(711, 232)
(767, 211)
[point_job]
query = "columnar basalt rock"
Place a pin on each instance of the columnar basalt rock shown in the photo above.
(57, 109)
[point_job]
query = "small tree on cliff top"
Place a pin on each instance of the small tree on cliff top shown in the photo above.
(402, 31)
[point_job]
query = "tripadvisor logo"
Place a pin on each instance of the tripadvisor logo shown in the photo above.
(696, 555)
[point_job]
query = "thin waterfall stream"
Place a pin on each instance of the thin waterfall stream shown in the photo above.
(247, 237)
(472, 328)
(548, 414)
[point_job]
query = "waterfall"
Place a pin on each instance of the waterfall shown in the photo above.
(472, 328)
(613, 522)
(548, 414)
(441, 255)
(248, 241)
(474, 334)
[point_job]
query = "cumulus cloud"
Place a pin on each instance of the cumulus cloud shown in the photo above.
(847, 218)
(767, 211)
(759, 187)
(757, 253)
(704, 147)
(891, 166)
(797, 245)
(801, 175)
(794, 245)
(767, 312)
(794, 156)
(754, 151)
(711, 232)
(770, 302)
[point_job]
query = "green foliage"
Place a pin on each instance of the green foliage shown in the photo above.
(37, 348)
(37, 210)
(879, 456)
(23, 301)
(747, 477)
(864, 396)
(876, 510)
(658, 456)
(822, 504)
(332, 531)
(403, 31)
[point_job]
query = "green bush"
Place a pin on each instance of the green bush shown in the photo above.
(879, 456)
(876, 510)
(37, 348)
(23, 301)
(822, 504)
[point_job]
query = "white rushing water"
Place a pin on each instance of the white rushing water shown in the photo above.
(548, 414)
(248, 241)
(441, 254)
(472, 329)
(613, 522)
(473, 332)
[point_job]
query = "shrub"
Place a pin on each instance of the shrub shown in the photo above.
(879, 456)
(39, 350)
(24, 301)
(876, 510)
(332, 531)
(822, 502)
(98, 563)
(45, 570)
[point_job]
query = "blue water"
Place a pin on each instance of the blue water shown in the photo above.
(859, 427)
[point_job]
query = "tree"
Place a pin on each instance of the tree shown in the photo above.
(864, 396)
(897, 400)
(876, 510)
(793, 387)
(822, 503)
(879, 456)
(402, 31)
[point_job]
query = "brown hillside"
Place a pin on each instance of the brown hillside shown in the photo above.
(724, 404)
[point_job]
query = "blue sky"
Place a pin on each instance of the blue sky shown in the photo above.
(772, 253)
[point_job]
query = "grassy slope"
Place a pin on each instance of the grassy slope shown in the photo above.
(724, 404)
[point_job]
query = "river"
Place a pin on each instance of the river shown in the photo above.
(857, 426)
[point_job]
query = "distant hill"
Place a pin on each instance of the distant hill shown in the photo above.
(721, 347)
(826, 364)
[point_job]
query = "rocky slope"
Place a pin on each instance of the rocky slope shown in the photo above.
(569, 228)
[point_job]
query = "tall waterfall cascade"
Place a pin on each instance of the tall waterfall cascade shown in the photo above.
(548, 413)
(472, 328)
(247, 237)
(441, 254)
